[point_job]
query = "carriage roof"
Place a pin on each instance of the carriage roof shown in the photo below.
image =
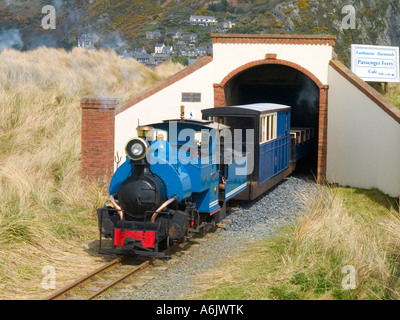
(190, 123)
(254, 109)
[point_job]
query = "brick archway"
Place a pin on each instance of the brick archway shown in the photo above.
(220, 101)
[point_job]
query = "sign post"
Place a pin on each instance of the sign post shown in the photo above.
(375, 63)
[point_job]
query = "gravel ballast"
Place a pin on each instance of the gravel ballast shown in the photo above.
(252, 221)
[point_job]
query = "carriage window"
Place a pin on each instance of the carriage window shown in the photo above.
(268, 124)
(263, 129)
(157, 134)
(221, 120)
(202, 143)
(198, 138)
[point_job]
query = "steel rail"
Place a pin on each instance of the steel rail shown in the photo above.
(83, 279)
(111, 284)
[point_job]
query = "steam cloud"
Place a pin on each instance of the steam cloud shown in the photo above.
(308, 96)
(13, 37)
(10, 39)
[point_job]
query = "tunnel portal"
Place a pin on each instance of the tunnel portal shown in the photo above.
(273, 83)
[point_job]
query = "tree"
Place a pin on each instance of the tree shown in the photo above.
(181, 59)
(202, 12)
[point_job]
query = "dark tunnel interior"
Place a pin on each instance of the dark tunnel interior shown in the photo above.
(280, 84)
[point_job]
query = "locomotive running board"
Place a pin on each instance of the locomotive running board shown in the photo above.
(136, 253)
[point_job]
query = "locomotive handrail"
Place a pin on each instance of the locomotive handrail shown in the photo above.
(164, 205)
(116, 206)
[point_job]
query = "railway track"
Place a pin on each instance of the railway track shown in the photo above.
(115, 272)
(100, 280)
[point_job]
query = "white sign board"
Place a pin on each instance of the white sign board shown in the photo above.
(375, 63)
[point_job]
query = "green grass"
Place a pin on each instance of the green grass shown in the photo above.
(392, 94)
(342, 227)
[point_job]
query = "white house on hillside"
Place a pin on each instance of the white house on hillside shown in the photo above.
(228, 24)
(203, 20)
(85, 40)
(162, 48)
(150, 35)
(159, 47)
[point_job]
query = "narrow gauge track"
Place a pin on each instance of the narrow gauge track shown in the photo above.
(98, 281)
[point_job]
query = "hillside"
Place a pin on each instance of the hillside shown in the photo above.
(122, 24)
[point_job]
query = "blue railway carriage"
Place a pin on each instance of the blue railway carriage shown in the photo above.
(303, 144)
(269, 147)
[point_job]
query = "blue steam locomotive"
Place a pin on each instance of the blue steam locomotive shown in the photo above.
(179, 174)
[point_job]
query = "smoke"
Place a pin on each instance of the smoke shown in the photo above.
(45, 39)
(305, 111)
(308, 96)
(114, 41)
(58, 4)
(70, 22)
(10, 39)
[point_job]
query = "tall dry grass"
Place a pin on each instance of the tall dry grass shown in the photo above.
(44, 210)
(343, 230)
(345, 227)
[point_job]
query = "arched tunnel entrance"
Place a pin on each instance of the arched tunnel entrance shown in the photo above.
(281, 82)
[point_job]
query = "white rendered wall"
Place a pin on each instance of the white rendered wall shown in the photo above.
(228, 57)
(165, 104)
(363, 140)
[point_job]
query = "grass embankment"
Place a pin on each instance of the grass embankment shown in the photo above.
(44, 209)
(393, 94)
(346, 246)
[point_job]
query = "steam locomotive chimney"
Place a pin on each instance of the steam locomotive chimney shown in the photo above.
(141, 168)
